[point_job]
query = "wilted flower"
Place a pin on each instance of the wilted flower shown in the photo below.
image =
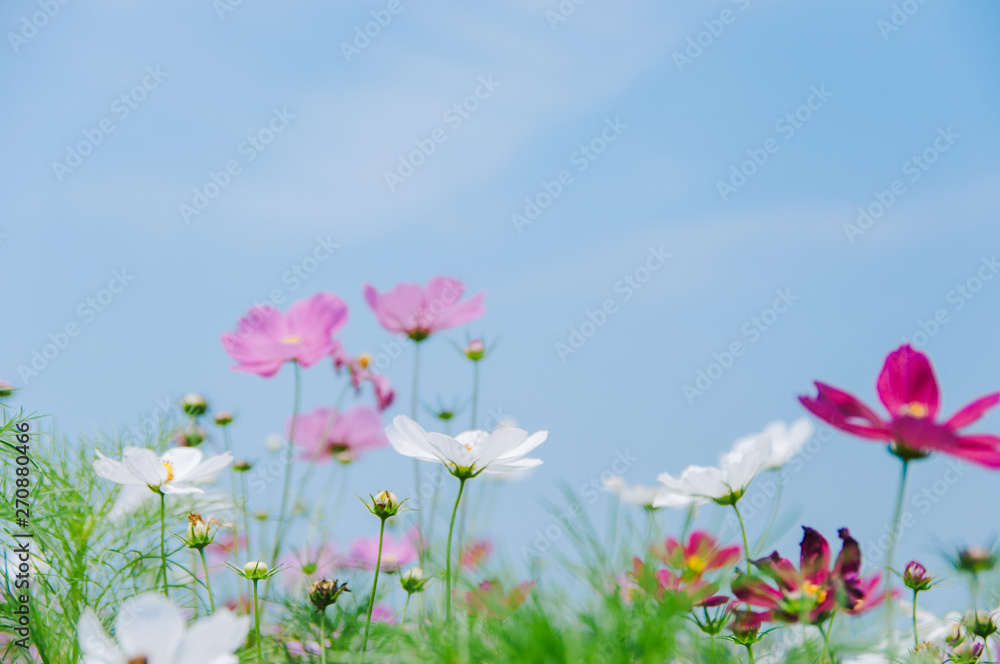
(325, 592)
(489, 597)
(908, 389)
(419, 312)
(814, 591)
(194, 405)
(413, 580)
(200, 532)
(265, 338)
(470, 453)
(915, 577)
(150, 628)
(325, 433)
(396, 553)
(360, 371)
(173, 472)
(700, 554)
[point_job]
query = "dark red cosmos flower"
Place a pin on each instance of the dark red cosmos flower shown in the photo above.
(908, 389)
(813, 592)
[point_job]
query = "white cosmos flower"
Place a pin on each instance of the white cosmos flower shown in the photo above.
(724, 484)
(643, 496)
(174, 472)
(150, 629)
(787, 440)
(470, 453)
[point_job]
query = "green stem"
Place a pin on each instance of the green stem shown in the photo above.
(289, 455)
(688, 522)
(916, 638)
(406, 605)
(414, 405)
(322, 638)
(749, 647)
(447, 551)
(371, 602)
(208, 581)
(826, 643)
(256, 623)
(475, 392)
(743, 530)
(890, 551)
(163, 542)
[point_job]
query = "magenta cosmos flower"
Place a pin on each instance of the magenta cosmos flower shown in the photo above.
(700, 554)
(420, 312)
(814, 592)
(265, 338)
(360, 371)
(908, 389)
(325, 433)
(396, 553)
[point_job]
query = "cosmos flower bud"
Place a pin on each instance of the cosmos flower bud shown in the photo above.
(255, 569)
(385, 504)
(242, 465)
(199, 531)
(194, 405)
(191, 435)
(325, 592)
(475, 350)
(746, 626)
(975, 559)
(6, 389)
(955, 635)
(915, 577)
(980, 623)
(967, 653)
(413, 580)
(223, 417)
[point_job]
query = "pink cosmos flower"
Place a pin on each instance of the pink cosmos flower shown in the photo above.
(476, 553)
(489, 597)
(312, 563)
(665, 585)
(418, 313)
(360, 371)
(395, 553)
(325, 433)
(383, 614)
(701, 553)
(909, 391)
(265, 338)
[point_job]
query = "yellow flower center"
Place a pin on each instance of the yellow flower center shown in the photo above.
(915, 409)
(170, 470)
(291, 340)
(364, 360)
(697, 564)
(814, 591)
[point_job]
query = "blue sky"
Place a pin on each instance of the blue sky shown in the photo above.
(184, 87)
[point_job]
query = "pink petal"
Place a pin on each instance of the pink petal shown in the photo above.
(907, 378)
(973, 411)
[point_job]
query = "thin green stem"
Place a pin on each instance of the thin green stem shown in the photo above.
(749, 647)
(916, 637)
(890, 551)
(447, 551)
(256, 624)
(688, 522)
(743, 530)
(163, 542)
(322, 637)
(208, 581)
(371, 602)
(826, 643)
(406, 606)
(475, 392)
(289, 457)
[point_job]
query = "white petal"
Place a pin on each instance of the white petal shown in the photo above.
(182, 460)
(145, 465)
(409, 439)
(115, 471)
(179, 488)
(450, 448)
(498, 445)
(206, 469)
(211, 639)
(702, 481)
(527, 444)
(129, 499)
(149, 626)
(673, 499)
(95, 644)
(505, 467)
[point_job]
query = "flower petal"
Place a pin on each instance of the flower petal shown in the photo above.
(907, 378)
(212, 638)
(95, 644)
(149, 626)
(145, 465)
(973, 411)
(115, 471)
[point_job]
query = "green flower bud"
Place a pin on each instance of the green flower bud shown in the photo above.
(194, 405)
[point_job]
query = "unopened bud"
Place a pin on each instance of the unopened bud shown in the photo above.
(915, 576)
(223, 417)
(385, 504)
(255, 569)
(976, 559)
(980, 623)
(413, 580)
(325, 592)
(6, 389)
(242, 465)
(199, 531)
(475, 350)
(194, 405)
(967, 653)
